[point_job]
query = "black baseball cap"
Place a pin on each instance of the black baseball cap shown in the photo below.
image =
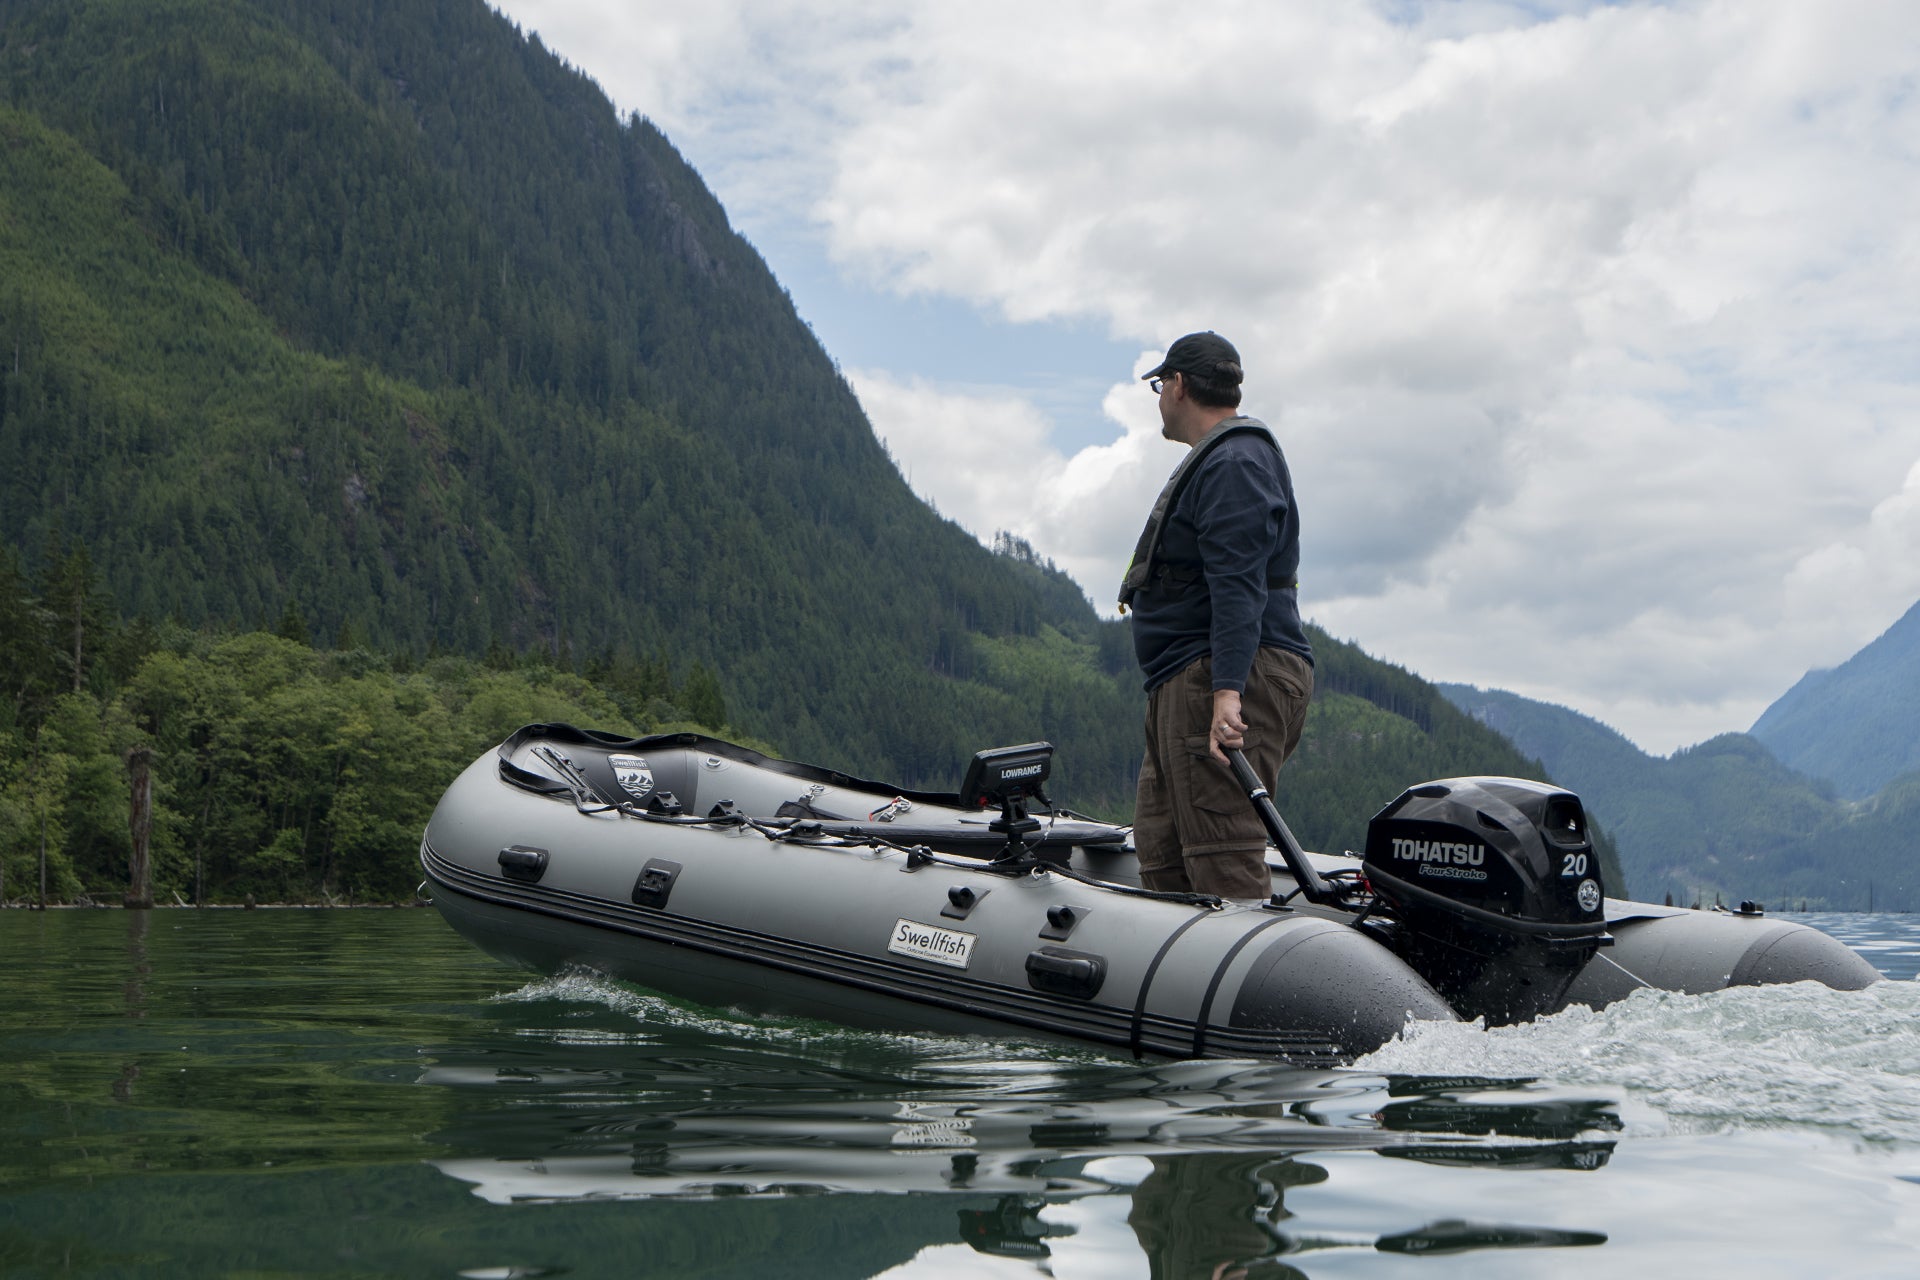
(1203, 354)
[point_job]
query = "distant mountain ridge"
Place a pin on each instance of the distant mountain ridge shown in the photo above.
(1565, 741)
(1856, 725)
(1724, 819)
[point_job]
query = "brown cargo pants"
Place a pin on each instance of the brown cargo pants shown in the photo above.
(1193, 827)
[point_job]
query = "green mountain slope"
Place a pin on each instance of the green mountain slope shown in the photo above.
(433, 346)
(375, 316)
(1857, 725)
(1722, 819)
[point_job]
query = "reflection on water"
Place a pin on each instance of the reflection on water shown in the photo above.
(359, 1093)
(1205, 1161)
(1204, 1152)
(695, 1128)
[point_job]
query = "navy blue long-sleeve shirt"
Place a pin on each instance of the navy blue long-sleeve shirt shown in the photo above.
(1234, 530)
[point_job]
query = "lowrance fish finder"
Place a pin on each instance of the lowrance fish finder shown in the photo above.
(1007, 776)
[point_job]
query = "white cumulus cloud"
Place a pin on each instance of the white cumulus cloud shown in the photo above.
(980, 456)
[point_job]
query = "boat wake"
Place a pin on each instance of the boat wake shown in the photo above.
(1748, 1057)
(1745, 1057)
(640, 1016)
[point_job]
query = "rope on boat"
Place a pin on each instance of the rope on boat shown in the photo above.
(726, 814)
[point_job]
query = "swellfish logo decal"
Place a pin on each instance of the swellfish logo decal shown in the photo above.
(930, 942)
(633, 775)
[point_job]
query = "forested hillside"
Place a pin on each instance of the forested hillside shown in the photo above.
(374, 315)
(1723, 819)
(380, 310)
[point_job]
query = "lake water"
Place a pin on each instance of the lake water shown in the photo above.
(360, 1093)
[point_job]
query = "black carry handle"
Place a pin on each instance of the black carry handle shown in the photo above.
(1309, 880)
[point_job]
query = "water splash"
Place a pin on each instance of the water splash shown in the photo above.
(1797, 1055)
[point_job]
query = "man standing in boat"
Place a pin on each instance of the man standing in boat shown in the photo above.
(1217, 629)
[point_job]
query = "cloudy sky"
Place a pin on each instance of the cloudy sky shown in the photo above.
(1592, 332)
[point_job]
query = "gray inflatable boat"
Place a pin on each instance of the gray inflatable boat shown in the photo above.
(710, 872)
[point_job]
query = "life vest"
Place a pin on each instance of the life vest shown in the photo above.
(1146, 551)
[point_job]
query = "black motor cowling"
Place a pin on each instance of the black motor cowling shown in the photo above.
(1495, 889)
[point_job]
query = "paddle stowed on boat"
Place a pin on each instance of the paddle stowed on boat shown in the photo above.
(713, 873)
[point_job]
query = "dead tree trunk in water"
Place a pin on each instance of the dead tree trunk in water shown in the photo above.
(140, 817)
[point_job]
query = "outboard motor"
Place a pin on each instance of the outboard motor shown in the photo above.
(1495, 889)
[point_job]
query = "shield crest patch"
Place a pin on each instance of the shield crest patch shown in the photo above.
(633, 774)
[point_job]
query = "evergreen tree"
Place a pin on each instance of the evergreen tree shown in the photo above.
(293, 625)
(703, 699)
(27, 675)
(77, 610)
